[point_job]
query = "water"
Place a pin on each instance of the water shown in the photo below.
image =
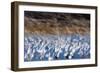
(54, 47)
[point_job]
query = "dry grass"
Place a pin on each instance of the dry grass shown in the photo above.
(53, 26)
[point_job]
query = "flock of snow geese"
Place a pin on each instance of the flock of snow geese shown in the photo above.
(54, 47)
